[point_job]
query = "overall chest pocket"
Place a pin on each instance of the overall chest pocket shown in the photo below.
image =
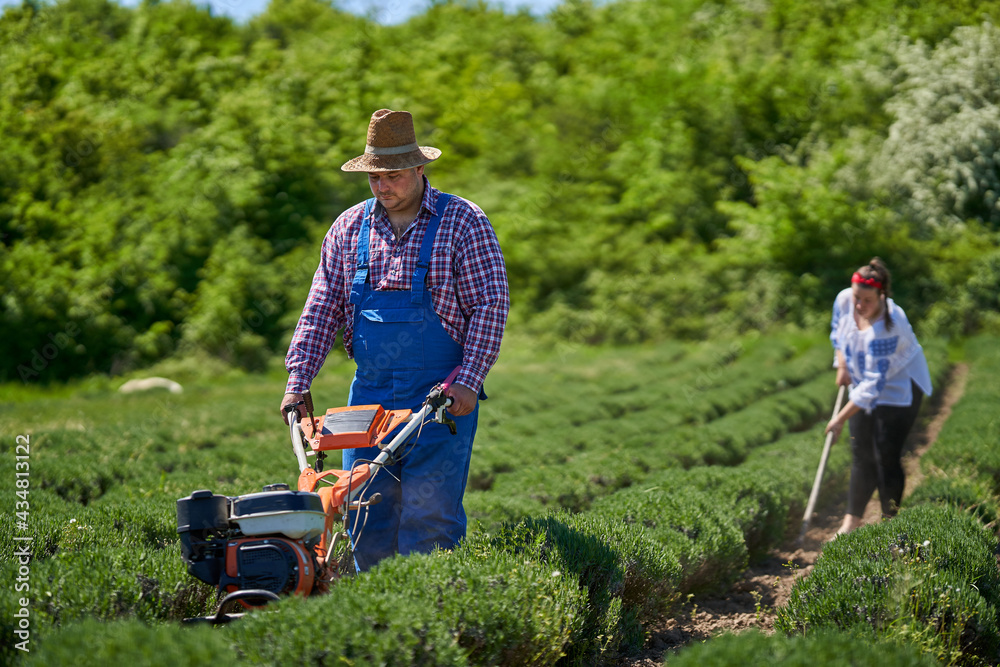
(393, 315)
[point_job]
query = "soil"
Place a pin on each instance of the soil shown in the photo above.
(765, 586)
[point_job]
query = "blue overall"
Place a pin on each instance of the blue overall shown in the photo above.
(402, 350)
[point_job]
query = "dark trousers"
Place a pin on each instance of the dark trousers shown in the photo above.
(877, 441)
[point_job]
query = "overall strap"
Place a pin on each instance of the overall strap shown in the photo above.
(364, 237)
(424, 261)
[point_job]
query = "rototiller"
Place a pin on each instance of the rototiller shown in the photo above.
(260, 546)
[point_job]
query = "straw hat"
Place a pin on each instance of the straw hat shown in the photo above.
(391, 145)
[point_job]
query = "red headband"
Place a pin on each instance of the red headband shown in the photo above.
(867, 282)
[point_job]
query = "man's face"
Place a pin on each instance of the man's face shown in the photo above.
(398, 190)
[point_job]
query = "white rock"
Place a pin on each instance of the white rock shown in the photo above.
(144, 384)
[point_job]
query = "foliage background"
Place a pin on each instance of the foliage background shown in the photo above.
(654, 170)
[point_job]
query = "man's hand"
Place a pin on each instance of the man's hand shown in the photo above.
(464, 399)
(843, 377)
(290, 399)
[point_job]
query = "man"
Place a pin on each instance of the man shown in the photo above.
(416, 279)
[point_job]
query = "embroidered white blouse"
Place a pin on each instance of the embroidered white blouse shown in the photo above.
(881, 362)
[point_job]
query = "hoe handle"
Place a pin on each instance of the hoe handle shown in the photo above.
(819, 473)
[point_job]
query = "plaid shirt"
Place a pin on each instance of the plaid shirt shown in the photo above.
(467, 281)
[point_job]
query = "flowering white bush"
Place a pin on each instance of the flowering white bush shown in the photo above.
(942, 154)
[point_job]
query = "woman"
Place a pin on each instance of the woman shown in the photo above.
(880, 359)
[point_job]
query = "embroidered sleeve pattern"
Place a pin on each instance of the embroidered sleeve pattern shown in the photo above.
(841, 309)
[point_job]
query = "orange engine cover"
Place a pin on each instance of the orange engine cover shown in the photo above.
(350, 427)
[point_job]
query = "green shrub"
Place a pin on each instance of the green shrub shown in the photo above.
(691, 526)
(970, 440)
(969, 492)
(717, 406)
(764, 421)
(628, 578)
(110, 583)
(756, 501)
(928, 575)
(488, 510)
(816, 649)
(437, 609)
(943, 615)
(93, 642)
(103, 561)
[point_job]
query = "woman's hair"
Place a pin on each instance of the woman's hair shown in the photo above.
(876, 270)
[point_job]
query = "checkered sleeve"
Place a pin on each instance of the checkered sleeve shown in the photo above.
(322, 316)
(483, 296)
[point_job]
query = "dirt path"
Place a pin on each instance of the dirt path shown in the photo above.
(751, 602)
